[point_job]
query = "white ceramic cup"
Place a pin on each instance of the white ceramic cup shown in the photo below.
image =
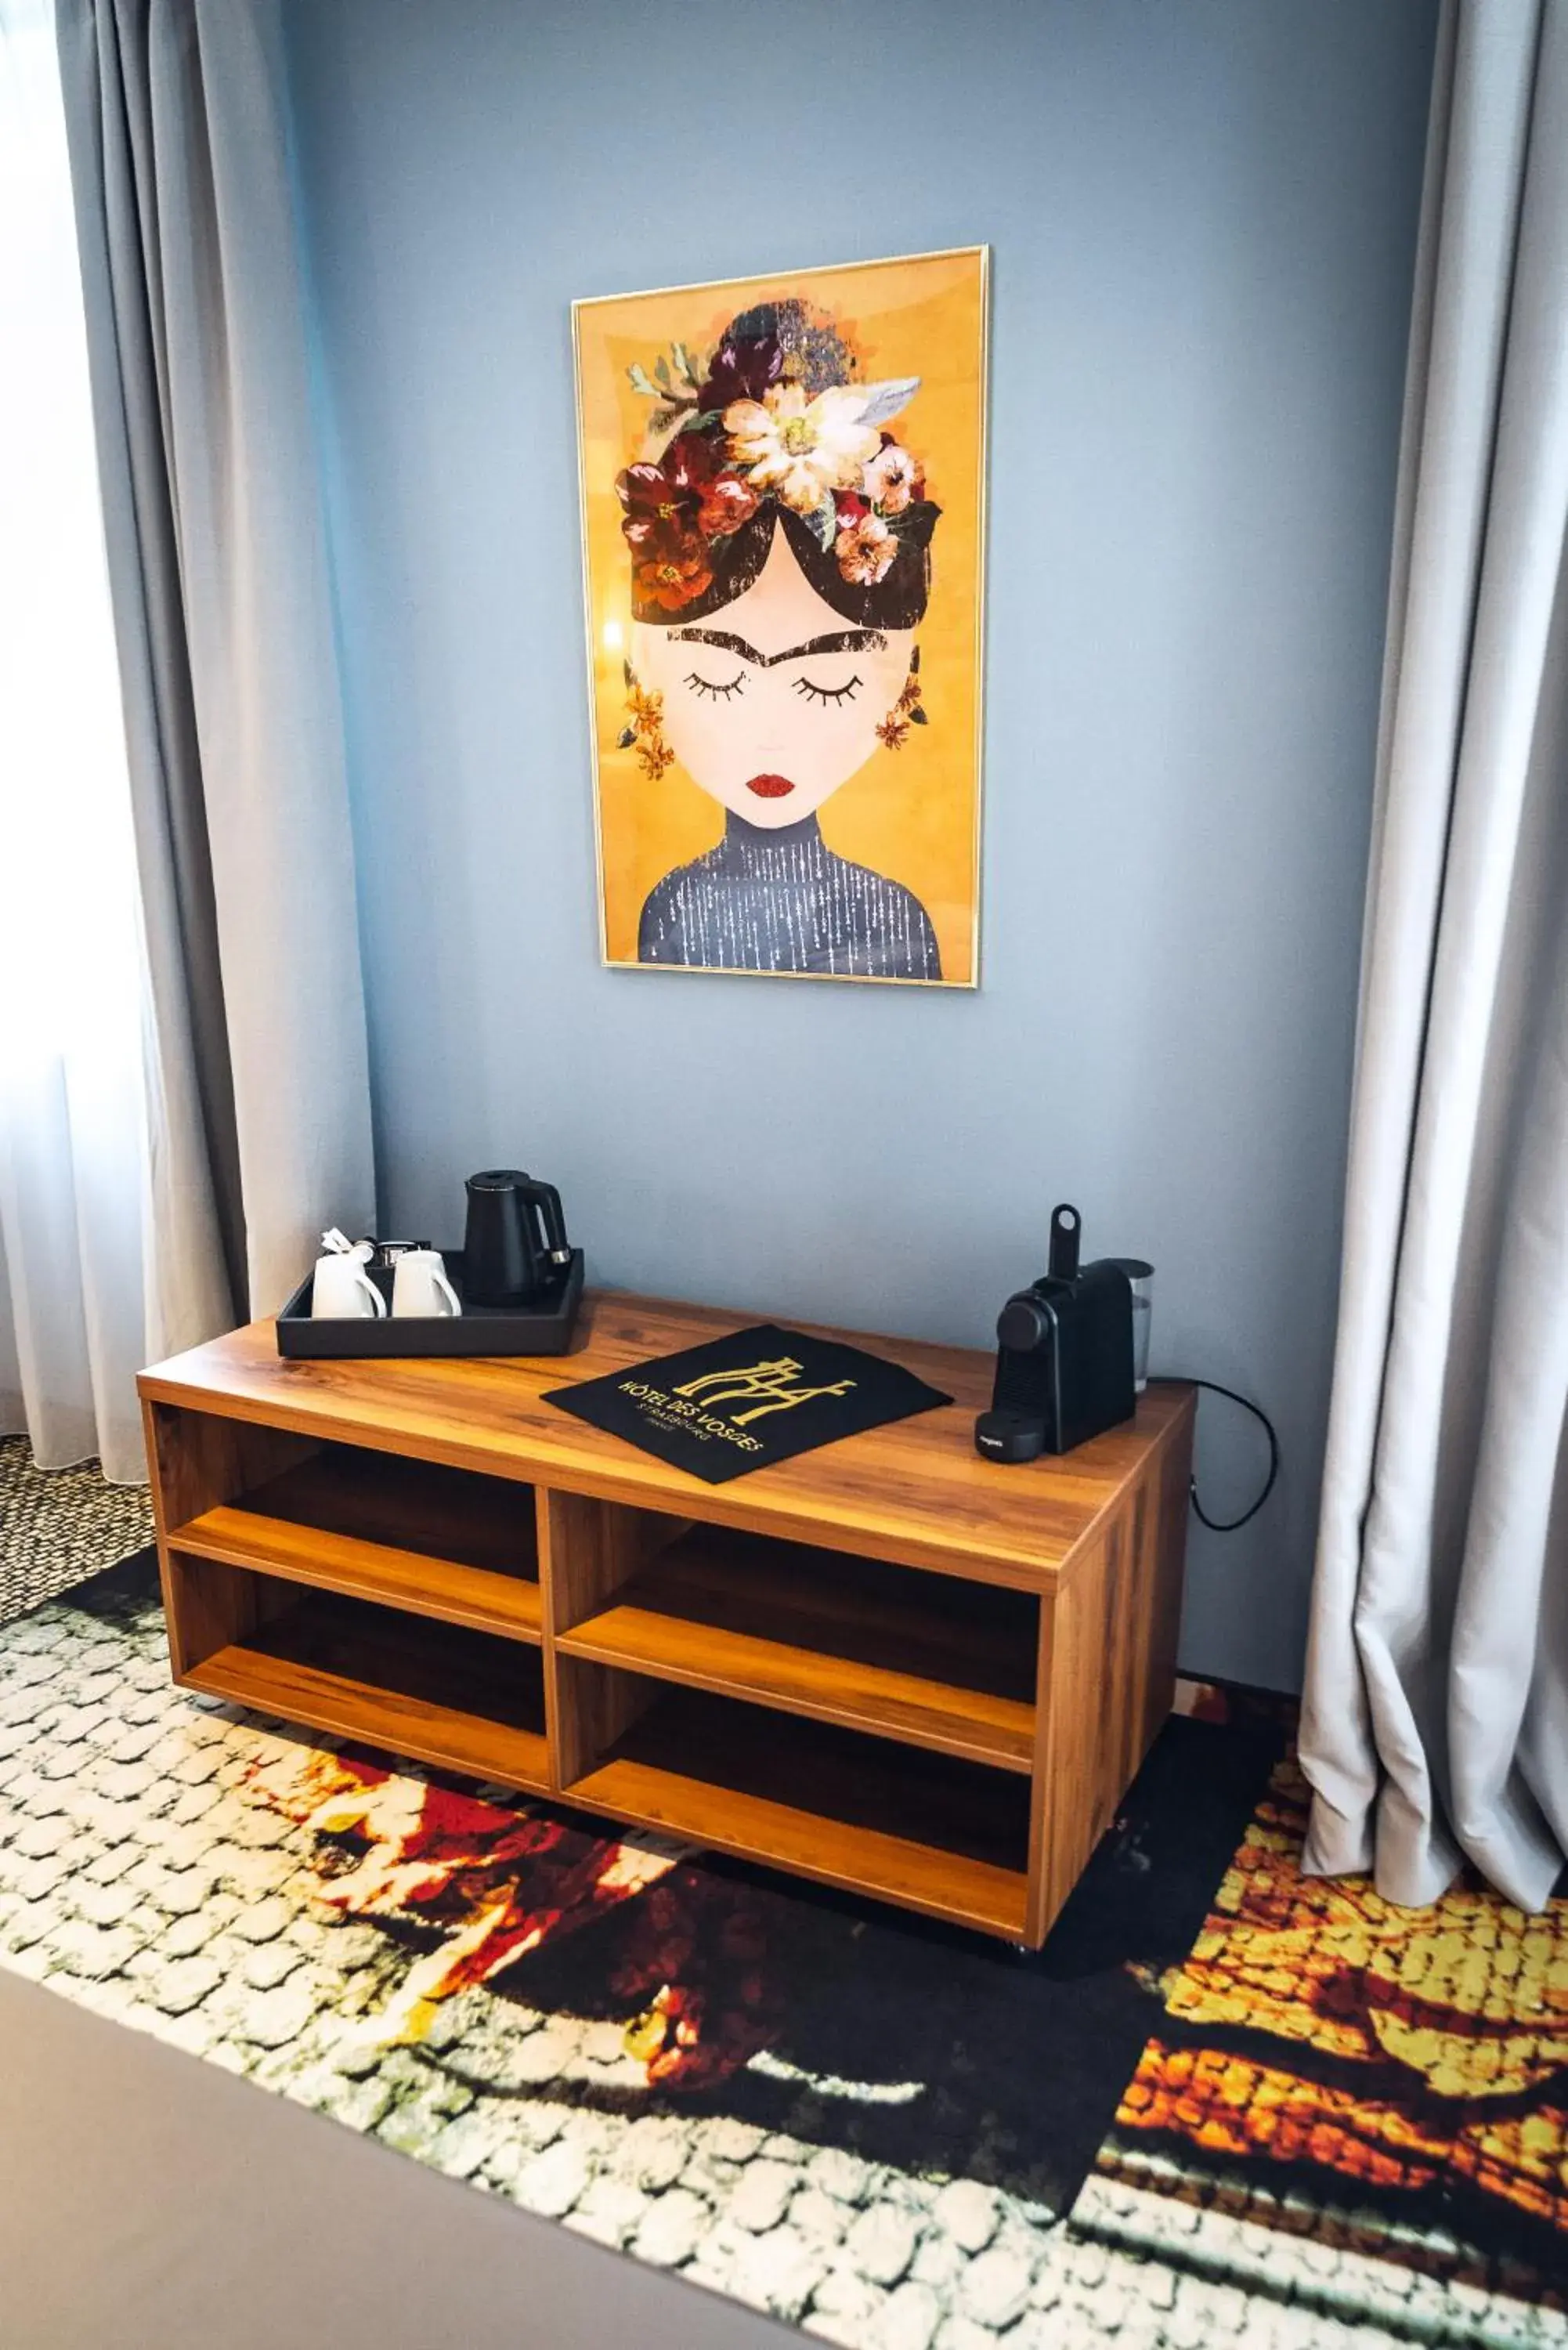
(342, 1291)
(420, 1285)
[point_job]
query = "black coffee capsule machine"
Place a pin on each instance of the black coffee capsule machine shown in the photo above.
(1064, 1354)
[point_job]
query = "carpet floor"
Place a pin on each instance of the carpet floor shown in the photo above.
(1224, 2104)
(59, 1527)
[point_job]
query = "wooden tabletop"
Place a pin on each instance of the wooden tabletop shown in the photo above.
(916, 1491)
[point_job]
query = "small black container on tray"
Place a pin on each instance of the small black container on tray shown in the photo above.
(544, 1328)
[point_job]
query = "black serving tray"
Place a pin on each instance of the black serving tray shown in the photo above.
(542, 1329)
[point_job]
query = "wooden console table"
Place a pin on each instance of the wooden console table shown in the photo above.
(887, 1664)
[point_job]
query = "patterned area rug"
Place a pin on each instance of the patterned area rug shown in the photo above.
(57, 1526)
(1333, 2067)
(1221, 2106)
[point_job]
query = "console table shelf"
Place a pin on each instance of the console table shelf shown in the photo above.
(819, 1632)
(887, 1664)
(425, 1582)
(448, 1697)
(948, 1837)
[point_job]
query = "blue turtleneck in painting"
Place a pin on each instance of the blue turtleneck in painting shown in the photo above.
(781, 901)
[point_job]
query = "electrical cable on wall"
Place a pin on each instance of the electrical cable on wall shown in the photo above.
(1229, 1526)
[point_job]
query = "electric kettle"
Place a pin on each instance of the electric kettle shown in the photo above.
(515, 1242)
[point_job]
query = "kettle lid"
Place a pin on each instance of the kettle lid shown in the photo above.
(497, 1179)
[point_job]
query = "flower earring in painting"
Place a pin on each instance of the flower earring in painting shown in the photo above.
(645, 733)
(906, 712)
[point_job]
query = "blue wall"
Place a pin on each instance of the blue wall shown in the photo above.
(1202, 218)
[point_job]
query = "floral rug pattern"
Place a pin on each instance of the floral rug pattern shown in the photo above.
(1223, 2104)
(1413, 2064)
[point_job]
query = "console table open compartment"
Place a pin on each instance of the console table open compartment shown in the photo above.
(887, 1664)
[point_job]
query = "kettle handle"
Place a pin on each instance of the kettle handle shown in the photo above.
(544, 1200)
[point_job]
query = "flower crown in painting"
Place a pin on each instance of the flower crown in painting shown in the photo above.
(774, 413)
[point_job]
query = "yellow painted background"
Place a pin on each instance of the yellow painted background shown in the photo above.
(911, 814)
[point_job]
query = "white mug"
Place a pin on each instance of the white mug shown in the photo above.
(420, 1285)
(342, 1291)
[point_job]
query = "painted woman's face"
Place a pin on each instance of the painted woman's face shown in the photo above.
(774, 701)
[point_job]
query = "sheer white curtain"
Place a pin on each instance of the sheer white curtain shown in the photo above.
(74, 1320)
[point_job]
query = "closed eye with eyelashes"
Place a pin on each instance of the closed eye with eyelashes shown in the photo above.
(715, 689)
(803, 686)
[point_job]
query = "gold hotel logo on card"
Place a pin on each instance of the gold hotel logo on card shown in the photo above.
(769, 1381)
(763, 1387)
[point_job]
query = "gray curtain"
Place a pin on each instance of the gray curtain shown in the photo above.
(1435, 1725)
(198, 344)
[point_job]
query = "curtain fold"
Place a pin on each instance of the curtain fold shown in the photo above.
(198, 338)
(1434, 1723)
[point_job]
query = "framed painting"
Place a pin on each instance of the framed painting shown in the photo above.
(784, 507)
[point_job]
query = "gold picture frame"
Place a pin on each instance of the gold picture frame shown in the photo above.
(782, 483)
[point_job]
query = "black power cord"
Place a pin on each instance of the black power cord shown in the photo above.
(1229, 1526)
